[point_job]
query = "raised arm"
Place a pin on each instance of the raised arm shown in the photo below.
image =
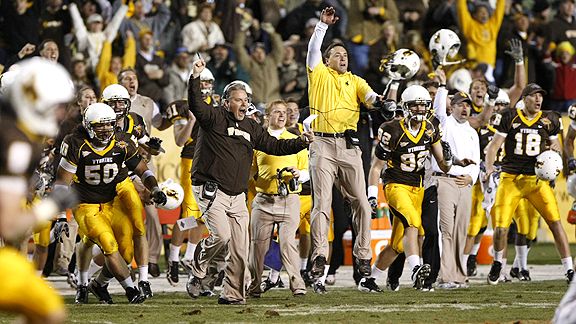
(314, 56)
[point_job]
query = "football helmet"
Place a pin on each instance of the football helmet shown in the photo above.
(37, 90)
(503, 98)
(117, 97)
(444, 44)
(99, 121)
(206, 87)
(6, 79)
(401, 65)
(237, 82)
(548, 165)
(412, 97)
(174, 194)
(571, 185)
(460, 80)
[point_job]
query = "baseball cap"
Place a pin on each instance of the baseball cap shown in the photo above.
(532, 88)
(95, 18)
(461, 97)
(253, 110)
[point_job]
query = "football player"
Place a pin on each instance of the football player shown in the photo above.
(28, 109)
(93, 159)
(525, 133)
(404, 145)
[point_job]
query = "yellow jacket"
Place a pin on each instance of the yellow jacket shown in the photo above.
(103, 73)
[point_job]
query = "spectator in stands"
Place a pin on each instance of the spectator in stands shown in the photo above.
(203, 33)
(261, 67)
(150, 69)
(109, 66)
(140, 21)
(411, 14)
(365, 28)
(563, 26)
(387, 44)
(481, 30)
(20, 25)
(293, 79)
(56, 24)
(178, 74)
(294, 20)
(231, 13)
(49, 50)
(224, 67)
(564, 91)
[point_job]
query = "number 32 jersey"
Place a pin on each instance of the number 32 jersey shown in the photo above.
(406, 152)
(97, 171)
(526, 139)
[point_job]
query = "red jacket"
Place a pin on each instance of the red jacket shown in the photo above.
(565, 82)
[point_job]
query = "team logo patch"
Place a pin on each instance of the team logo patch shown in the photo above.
(402, 144)
(547, 122)
(515, 125)
(121, 144)
(138, 129)
(430, 133)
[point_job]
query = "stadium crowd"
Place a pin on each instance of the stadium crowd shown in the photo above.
(290, 114)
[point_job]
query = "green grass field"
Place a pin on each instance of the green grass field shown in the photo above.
(532, 302)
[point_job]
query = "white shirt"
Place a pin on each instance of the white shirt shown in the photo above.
(463, 140)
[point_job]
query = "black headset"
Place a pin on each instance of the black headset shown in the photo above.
(283, 188)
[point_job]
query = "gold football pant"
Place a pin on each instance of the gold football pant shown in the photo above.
(514, 187)
(305, 209)
(405, 204)
(526, 218)
(129, 202)
(189, 206)
(22, 290)
(478, 218)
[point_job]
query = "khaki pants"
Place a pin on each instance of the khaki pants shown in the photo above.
(331, 161)
(227, 221)
(284, 211)
(65, 249)
(455, 205)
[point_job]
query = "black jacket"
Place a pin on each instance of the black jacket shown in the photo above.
(225, 146)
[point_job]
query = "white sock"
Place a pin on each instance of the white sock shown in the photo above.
(93, 268)
(498, 255)
(376, 272)
(516, 263)
(83, 278)
(190, 247)
(465, 261)
(413, 261)
(103, 280)
(174, 253)
(273, 275)
(475, 248)
(567, 263)
(503, 271)
(522, 253)
(143, 271)
(96, 250)
(127, 282)
(303, 263)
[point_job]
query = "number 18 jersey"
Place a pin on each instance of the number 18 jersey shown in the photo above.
(526, 139)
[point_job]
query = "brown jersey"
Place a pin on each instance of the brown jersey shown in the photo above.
(406, 152)
(135, 127)
(485, 136)
(526, 139)
(97, 171)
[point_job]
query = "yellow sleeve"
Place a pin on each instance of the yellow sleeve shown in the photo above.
(104, 63)
(362, 89)
(254, 167)
(464, 17)
(129, 59)
(498, 16)
(302, 158)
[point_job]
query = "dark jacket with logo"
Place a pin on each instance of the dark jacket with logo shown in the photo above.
(225, 146)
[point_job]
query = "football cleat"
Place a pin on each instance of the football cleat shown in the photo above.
(81, 295)
(319, 288)
(428, 287)
(363, 267)
(471, 266)
(494, 274)
(393, 285)
(101, 292)
(525, 275)
(154, 270)
(186, 264)
(307, 279)
(318, 267)
(145, 289)
(569, 275)
(172, 273)
(224, 301)
(134, 296)
(515, 273)
(368, 285)
(419, 274)
(72, 280)
(268, 284)
(194, 286)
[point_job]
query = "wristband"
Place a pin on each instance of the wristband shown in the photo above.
(372, 191)
(520, 62)
(442, 85)
(394, 85)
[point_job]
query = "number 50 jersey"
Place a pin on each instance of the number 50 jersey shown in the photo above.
(526, 139)
(406, 152)
(97, 171)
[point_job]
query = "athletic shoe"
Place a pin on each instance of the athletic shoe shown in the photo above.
(268, 284)
(368, 285)
(319, 288)
(172, 273)
(154, 270)
(419, 274)
(307, 279)
(318, 267)
(525, 275)
(427, 287)
(194, 286)
(569, 275)
(71, 280)
(186, 264)
(393, 285)
(330, 280)
(101, 292)
(81, 295)
(363, 267)
(504, 278)
(280, 283)
(515, 273)
(224, 301)
(494, 274)
(145, 289)
(448, 285)
(472, 271)
(207, 293)
(134, 296)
